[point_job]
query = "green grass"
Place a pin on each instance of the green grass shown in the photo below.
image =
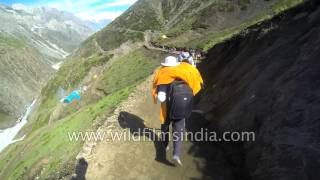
(68, 77)
(5, 120)
(52, 143)
(110, 39)
(196, 21)
(143, 17)
(88, 47)
(224, 35)
(283, 5)
(6, 41)
(209, 39)
(182, 27)
(129, 69)
(126, 70)
(72, 72)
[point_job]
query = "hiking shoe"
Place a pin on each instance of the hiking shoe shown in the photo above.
(177, 161)
(167, 148)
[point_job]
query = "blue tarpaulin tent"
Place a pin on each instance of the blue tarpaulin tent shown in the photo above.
(74, 95)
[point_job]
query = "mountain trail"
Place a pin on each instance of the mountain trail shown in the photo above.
(136, 158)
(148, 45)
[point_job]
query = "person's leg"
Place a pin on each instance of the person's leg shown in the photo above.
(165, 133)
(178, 133)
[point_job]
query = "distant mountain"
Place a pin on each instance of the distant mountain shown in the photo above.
(32, 41)
(54, 33)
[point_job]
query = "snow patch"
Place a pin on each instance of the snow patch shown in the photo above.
(57, 66)
(64, 54)
(35, 27)
(53, 48)
(7, 135)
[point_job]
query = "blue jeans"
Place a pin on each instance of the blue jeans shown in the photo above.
(178, 132)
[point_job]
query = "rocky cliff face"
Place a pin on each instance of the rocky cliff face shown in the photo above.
(32, 40)
(267, 81)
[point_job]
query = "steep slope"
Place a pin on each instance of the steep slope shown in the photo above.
(202, 24)
(54, 33)
(265, 82)
(109, 65)
(49, 126)
(23, 71)
(268, 82)
(187, 23)
(31, 42)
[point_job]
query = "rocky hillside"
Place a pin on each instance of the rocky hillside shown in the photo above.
(54, 33)
(110, 63)
(267, 81)
(187, 23)
(32, 40)
(23, 71)
(196, 23)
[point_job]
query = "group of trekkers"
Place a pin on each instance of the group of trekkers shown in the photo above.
(175, 84)
(196, 54)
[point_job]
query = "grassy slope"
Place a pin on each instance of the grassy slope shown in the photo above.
(125, 70)
(22, 69)
(5, 120)
(7, 43)
(50, 143)
(129, 27)
(141, 16)
(68, 77)
(214, 39)
(209, 39)
(130, 68)
(110, 39)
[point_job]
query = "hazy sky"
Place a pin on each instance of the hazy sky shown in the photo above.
(97, 10)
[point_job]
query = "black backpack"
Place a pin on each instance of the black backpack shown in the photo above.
(180, 100)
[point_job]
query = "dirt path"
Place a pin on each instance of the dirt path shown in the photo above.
(136, 160)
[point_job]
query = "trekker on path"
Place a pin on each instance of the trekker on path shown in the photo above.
(186, 57)
(174, 85)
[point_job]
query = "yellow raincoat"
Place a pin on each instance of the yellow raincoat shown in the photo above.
(166, 75)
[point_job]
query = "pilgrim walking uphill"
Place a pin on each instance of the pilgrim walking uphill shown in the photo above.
(174, 86)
